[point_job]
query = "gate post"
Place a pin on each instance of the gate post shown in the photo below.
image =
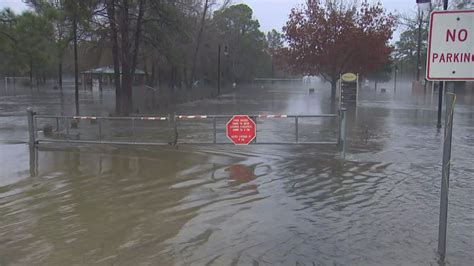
(31, 126)
(174, 139)
(342, 132)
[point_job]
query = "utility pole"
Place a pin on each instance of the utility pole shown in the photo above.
(418, 57)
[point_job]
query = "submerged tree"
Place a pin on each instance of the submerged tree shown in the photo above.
(55, 12)
(332, 38)
(381, 74)
(27, 46)
(174, 41)
(240, 33)
(125, 18)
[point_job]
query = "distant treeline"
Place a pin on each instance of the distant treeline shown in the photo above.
(176, 42)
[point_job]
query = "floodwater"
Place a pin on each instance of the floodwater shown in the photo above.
(229, 205)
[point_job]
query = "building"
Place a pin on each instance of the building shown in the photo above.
(105, 76)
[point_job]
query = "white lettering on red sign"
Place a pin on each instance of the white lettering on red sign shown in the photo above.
(241, 130)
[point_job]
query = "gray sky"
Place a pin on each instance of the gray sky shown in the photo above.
(272, 14)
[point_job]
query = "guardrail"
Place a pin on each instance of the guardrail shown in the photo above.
(173, 129)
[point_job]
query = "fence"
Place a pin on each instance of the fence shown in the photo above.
(165, 130)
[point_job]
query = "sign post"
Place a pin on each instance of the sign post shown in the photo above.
(448, 135)
(349, 88)
(241, 129)
(450, 58)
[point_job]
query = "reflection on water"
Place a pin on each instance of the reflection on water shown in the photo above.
(221, 205)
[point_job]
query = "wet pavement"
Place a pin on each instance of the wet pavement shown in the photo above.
(228, 205)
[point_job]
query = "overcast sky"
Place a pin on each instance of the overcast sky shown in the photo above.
(272, 14)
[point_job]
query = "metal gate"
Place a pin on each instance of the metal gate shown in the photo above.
(166, 130)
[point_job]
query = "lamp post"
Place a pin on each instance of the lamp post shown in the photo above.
(226, 55)
(219, 73)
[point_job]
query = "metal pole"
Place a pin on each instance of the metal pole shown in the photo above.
(418, 57)
(219, 71)
(99, 122)
(174, 142)
(133, 130)
(31, 126)
(440, 103)
(296, 129)
(441, 84)
(342, 133)
(33, 161)
(170, 137)
(215, 130)
(256, 127)
(339, 137)
(448, 134)
(66, 121)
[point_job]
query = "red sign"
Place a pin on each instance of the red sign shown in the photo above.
(241, 130)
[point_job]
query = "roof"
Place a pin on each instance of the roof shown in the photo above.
(108, 70)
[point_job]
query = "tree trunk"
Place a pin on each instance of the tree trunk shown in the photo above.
(76, 68)
(153, 74)
(198, 42)
(376, 85)
(333, 90)
(60, 73)
(115, 54)
(31, 72)
(125, 52)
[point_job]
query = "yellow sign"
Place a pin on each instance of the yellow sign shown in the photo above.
(349, 77)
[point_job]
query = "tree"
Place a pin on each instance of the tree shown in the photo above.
(381, 74)
(406, 48)
(198, 39)
(8, 64)
(27, 46)
(125, 18)
(463, 4)
(55, 12)
(274, 40)
(332, 38)
(236, 29)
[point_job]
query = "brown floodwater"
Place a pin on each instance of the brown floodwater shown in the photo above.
(233, 205)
